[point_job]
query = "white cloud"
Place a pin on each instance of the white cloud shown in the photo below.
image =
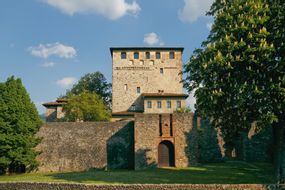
(57, 49)
(152, 39)
(112, 9)
(66, 82)
(193, 9)
(48, 64)
(191, 100)
(209, 25)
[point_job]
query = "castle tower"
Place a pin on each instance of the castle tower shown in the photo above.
(146, 80)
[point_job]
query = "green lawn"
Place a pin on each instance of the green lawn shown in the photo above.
(220, 173)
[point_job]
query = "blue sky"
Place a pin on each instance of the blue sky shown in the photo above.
(50, 44)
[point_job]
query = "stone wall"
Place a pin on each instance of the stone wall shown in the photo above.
(76, 146)
(148, 136)
(186, 139)
(251, 146)
(66, 186)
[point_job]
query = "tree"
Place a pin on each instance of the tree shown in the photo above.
(183, 110)
(238, 74)
(19, 122)
(86, 107)
(94, 82)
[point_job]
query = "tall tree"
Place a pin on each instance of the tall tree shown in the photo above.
(94, 82)
(19, 121)
(86, 106)
(237, 74)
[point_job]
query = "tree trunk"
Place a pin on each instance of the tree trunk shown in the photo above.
(279, 151)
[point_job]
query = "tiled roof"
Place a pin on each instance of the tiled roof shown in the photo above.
(59, 102)
(164, 95)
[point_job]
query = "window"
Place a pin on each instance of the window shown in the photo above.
(161, 70)
(133, 108)
(141, 62)
(149, 104)
(178, 104)
(136, 55)
(159, 104)
(138, 90)
(157, 55)
(171, 55)
(123, 55)
(147, 55)
(126, 87)
(131, 62)
(151, 62)
(168, 104)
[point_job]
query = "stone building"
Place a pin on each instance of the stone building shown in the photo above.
(54, 110)
(145, 131)
(146, 80)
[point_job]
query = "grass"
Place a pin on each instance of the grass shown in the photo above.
(218, 173)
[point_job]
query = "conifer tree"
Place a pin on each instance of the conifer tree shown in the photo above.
(19, 121)
(238, 74)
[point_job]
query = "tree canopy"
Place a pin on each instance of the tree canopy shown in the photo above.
(19, 122)
(86, 106)
(95, 83)
(238, 74)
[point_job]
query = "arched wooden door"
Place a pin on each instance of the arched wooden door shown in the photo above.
(165, 154)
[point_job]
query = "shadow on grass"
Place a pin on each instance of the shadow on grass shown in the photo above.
(222, 173)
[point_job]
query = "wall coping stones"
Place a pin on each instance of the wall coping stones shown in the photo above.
(78, 186)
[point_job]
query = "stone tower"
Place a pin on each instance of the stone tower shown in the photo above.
(146, 80)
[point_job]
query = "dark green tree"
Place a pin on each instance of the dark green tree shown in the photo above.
(19, 122)
(94, 82)
(238, 73)
(86, 106)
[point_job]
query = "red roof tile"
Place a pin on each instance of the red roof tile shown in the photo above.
(162, 94)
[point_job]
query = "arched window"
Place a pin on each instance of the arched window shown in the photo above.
(147, 55)
(136, 55)
(123, 55)
(171, 55)
(157, 55)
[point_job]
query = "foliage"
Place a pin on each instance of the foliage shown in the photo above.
(183, 110)
(221, 173)
(86, 106)
(19, 121)
(96, 83)
(239, 71)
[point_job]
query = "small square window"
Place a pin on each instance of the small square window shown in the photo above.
(149, 105)
(171, 55)
(168, 104)
(159, 104)
(138, 90)
(136, 55)
(157, 55)
(133, 108)
(161, 70)
(123, 55)
(178, 104)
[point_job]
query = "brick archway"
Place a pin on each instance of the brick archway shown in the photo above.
(166, 154)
